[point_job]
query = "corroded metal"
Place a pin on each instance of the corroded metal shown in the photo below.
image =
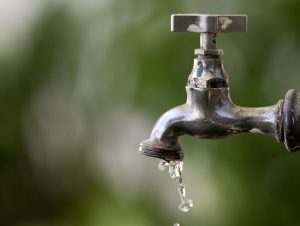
(205, 23)
(209, 112)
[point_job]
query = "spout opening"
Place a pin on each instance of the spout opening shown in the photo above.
(157, 151)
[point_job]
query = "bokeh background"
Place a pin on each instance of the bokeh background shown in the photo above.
(83, 82)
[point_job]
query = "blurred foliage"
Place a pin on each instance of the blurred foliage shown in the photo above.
(88, 81)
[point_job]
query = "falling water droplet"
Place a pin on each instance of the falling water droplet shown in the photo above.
(176, 224)
(175, 172)
(162, 165)
(186, 203)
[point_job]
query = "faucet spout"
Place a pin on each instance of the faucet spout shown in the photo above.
(163, 142)
(210, 114)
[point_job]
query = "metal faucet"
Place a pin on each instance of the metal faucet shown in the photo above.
(209, 112)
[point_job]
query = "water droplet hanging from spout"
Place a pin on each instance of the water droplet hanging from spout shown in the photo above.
(162, 165)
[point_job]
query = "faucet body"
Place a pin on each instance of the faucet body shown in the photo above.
(209, 112)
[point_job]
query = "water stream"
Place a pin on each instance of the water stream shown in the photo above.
(175, 172)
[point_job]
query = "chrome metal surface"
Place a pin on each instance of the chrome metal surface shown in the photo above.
(209, 112)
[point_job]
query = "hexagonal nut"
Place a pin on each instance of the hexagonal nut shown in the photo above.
(208, 52)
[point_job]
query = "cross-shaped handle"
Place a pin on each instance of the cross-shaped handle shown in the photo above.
(208, 26)
(206, 23)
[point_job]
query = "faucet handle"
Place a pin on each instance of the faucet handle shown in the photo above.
(208, 26)
(208, 23)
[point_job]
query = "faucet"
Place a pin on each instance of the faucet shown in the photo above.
(209, 111)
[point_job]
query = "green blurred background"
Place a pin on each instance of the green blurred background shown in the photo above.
(82, 82)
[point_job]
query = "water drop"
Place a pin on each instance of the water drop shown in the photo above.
(176, 224)
(186, 205)
(175, 172)
(162, 165)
